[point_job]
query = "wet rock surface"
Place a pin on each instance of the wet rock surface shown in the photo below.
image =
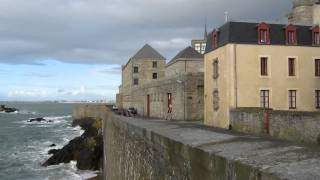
(5, 109)
(87, 149)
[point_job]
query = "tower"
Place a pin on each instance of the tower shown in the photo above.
(302, 12)
(316, 13)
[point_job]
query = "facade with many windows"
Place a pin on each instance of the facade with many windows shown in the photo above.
(272, 66)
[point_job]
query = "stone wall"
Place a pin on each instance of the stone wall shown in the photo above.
(184, 66)
(187, 97)
(288, 125)
(137, 149)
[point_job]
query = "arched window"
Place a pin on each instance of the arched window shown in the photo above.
(263, 33)
(316, 36)
(291, 35)
(214, 39)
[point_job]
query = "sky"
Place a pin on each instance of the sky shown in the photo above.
(74, 49)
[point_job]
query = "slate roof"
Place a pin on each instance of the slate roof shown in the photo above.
(246, 33)
(187, 53)
(148, 52)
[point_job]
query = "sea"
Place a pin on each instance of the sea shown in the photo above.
(24, 145)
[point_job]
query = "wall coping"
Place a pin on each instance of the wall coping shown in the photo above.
(272, 158)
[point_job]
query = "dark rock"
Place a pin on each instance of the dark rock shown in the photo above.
(52, 145)
(87, 149)
(36, 120)
(53, 151)
(5, 109)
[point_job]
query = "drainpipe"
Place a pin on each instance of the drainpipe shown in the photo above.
(235, 74)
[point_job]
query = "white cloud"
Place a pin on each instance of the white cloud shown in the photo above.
(28, 93)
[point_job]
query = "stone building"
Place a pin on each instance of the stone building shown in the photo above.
(261, 65)
(305, 12)
(145, 66)
(179, 85)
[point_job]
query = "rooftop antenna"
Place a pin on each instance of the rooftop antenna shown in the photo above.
(226, 15)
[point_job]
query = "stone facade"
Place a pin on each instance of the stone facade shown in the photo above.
(179, 87)
(187, 97)
(160, 150)
(288, 125)
(305, 12)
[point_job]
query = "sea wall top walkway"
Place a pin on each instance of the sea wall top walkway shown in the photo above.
(267, 158)
(136, 148)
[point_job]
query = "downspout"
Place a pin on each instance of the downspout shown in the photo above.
(235, 75)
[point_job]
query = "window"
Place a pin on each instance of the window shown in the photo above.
(264, 66)
(154, 75)
(215, 69)
(317, 67)
(318, 99)
(291, 35)
(154, 64)
(292, 66)
(135, 81)
(214, 39)
(198, 47)
(135, 69)
(264, 99)
(292, 99)
(203, 48)
(263, 33)
(316, 36)
(216, 100)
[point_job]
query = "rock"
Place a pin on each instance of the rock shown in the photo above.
(36, 120)
(53, 151)
(87, 149)
(52, 145)
(5, 109)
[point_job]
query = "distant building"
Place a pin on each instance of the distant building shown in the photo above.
(305, 12)
(178, 85)
(145, 66)
(261, 65)
(200, 44)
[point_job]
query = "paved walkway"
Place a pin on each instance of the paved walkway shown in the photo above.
(282, 159)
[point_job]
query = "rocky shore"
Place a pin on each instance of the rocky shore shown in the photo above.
(87, 149)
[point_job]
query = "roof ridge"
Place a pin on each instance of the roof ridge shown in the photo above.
(148, 52)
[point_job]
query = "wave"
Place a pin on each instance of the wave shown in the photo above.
(49, 120)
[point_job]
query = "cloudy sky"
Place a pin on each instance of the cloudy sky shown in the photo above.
(73, 49)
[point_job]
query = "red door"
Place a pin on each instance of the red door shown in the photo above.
(148, 105)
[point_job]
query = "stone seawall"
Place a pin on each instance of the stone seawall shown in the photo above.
(140, 149)
(288, 125)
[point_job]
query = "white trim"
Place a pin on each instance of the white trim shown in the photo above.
(270, 96)
(297, 98)
(296, 76)
(314, 67)
(269, 65)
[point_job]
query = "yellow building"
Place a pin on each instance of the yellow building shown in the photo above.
(261, 65)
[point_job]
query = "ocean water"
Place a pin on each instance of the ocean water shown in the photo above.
(24, 145)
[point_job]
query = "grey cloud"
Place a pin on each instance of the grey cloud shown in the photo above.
(109, 71)
(110, 31)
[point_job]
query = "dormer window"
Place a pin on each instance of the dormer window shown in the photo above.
(214, 39)
(291, 35)
(316, 36)
(263, 33)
